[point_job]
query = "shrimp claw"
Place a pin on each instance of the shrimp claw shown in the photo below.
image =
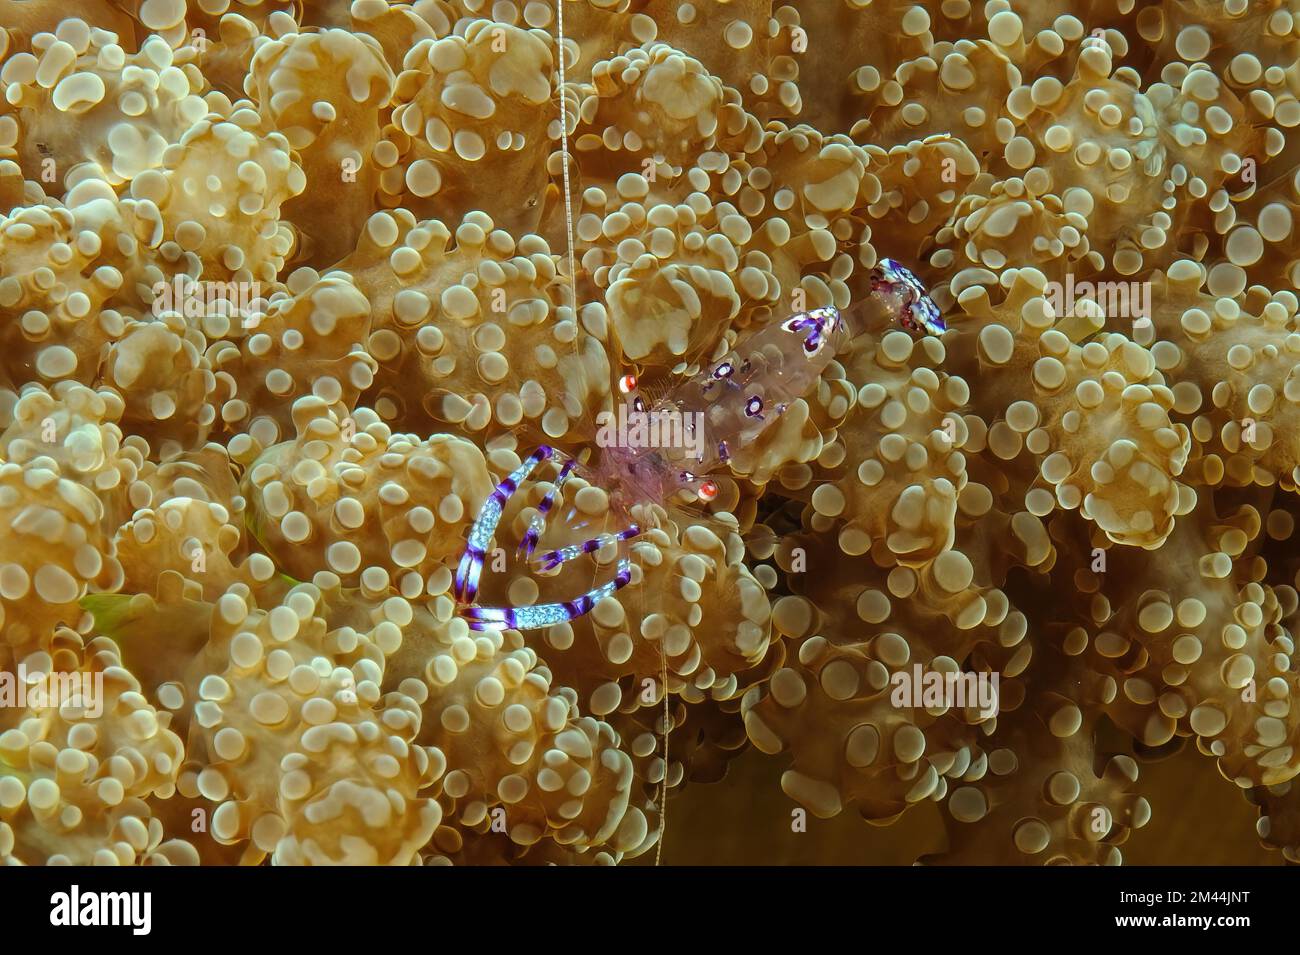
(480, 536)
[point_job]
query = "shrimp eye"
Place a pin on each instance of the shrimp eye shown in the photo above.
(627, 384)
(638, 404)
(708, 491)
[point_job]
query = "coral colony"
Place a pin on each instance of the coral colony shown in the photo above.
(333, 335)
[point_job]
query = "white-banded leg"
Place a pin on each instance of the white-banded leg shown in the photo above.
(537, 526)
(470, 568)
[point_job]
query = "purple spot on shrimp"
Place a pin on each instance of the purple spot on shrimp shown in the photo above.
(723, 370)
(754, 407)
(819, 322)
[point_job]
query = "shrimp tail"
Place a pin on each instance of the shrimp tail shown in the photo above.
(546, 615)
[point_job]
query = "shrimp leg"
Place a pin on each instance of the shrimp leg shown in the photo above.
(546, 615)
(489, 515)
(538, 523)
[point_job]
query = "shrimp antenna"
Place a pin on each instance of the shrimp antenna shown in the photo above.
(573, 301)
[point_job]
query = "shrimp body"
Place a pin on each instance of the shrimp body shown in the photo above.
(727, 405)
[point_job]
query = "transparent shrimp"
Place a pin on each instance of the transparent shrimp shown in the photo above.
(727, 405)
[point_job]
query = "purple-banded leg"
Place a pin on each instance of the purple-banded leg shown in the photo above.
(489, 515)
(554, 558)
(903, 291)
(820, 323)
(538, 524)
(546, 615)
(704, 489)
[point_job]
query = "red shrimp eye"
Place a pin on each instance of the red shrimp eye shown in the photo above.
(708, 491)
(627, 384)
